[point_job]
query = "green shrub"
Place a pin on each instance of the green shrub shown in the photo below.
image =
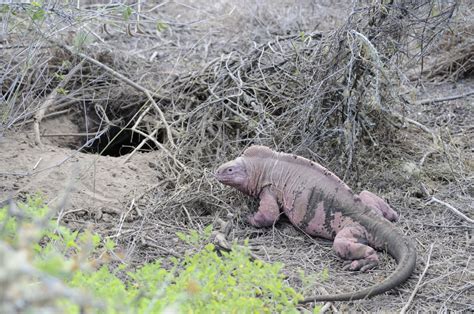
(208, 281)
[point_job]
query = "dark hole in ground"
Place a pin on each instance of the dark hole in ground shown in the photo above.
(115, 139)
(119, 141)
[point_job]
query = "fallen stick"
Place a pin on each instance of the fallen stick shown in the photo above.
(50, 115)
(327, 305)
(419, 125)
(432, 199)
(49, 101)
(424, 128)
(452, 208)
(325, 308)
(447, 98)
(69, 134)
(407, 305)
(140, 145)
(158, 144)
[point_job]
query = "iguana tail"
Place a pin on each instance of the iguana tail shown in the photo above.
(396, 244)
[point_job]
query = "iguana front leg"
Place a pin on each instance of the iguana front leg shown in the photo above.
(268, 210)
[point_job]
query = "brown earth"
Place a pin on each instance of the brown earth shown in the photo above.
(91, 185)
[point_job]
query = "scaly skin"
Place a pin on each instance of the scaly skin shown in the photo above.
(318, 202)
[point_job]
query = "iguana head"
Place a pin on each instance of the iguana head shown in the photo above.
(234, 174)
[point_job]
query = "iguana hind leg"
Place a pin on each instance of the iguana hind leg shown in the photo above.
(351, 244)
(378, 205)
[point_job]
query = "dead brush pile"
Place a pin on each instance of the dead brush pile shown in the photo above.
(315, 92)
(452, 57)
(322, 95)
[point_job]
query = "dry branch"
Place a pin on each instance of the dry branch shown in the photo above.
(149, 94)
(456, 211)
(407, 305)
(442, 99)
(158, 144)
(139, 146)
(49, 101)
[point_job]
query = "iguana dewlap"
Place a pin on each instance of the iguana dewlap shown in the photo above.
(320, 204)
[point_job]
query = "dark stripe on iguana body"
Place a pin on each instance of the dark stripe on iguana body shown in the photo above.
(314, 199)
(319, 203)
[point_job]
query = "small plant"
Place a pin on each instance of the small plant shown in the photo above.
(194, 237)
(82, 39)
(55, 250)
(36, 11)
(206, 281)
(127, 12)
(161, 26)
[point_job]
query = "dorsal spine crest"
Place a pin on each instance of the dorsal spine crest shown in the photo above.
(265, 152)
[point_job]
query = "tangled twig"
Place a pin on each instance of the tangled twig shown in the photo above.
(135, 85)
(427, 265)
(49, 101)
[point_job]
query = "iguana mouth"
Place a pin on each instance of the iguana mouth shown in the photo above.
(222, 177)
(227, 181)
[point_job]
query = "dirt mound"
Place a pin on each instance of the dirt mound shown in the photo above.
(90, 185)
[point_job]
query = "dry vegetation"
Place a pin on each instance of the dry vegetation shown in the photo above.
(378, 91)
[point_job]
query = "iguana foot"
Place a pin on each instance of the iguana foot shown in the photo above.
(261, 219)
(378, 205)
(364, 264)
(351, 244)
(257, 221)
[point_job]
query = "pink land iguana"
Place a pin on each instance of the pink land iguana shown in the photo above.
(320, 204)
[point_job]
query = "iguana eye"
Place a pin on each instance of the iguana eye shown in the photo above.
(229, 169)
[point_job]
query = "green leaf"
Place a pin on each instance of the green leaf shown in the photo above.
(208, 230)
(127, 12)
(161, 26)
(325, 274)
(209, 247)
(302, 36)
(38, 14)
(95, 240)
(59, 76)
(82, 39)
(182, 236)
(109, 245)
(62, 91)
(194, 237)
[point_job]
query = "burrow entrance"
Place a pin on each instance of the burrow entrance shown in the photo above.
(113, 134)
(117, 141)
(90, 133)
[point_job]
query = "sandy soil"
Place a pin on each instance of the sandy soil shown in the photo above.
(87, 183)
